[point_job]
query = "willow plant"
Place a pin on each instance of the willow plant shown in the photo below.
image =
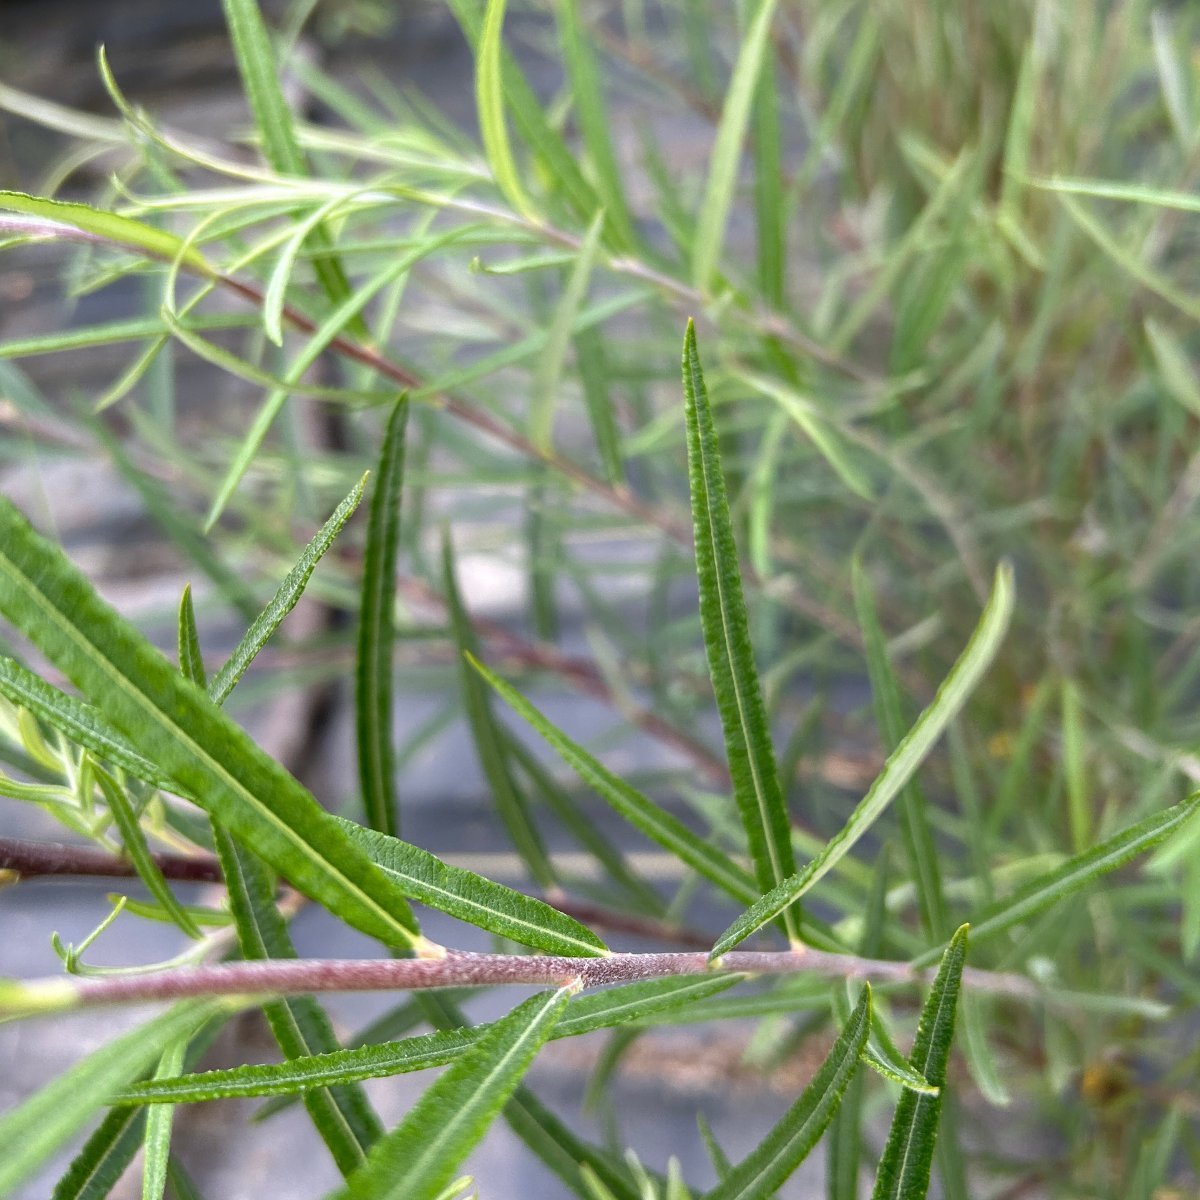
(504, 319)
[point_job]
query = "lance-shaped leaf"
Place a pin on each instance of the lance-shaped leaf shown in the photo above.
(490, 744)
(423, 877)
(540, 134)
(376, 633)
(31, 1132)
(334, 325)
(106, 1154)
(727, 643)
(901, 763)
(342, 1116)
(174, 723)
(639, 810)
(419, 1157)
(104, 1157)
(908, 1156)
(1077, 872)
(727, 149)
(97, 225)
(134, 841)
(79, 722)
(489, 104)
(260, 79)
(157, 1152)
(801, 1127)
(284, 600)
(641, 1002)
(191, 661)
(889, 714)
(594, 122)
(563, 1152)
(84, 725)
(547, 376)
(112, 333)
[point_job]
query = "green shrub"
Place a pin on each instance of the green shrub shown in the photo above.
(940, 329)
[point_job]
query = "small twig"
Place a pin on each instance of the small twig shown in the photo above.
(460, 969)
(35, 859)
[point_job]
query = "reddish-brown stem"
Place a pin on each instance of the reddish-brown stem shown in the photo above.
(33, 860)
(460, 969)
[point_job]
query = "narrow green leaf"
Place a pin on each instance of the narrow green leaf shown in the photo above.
(341, 1115)
(907, 1159)
(1175, 77)
(976, 1015)
(563, 1152)
(419, 1157)
(95, 1170)
(557, 163)
(727, 148)
(191, 661)
(501, 910)
(373, 666)
(592, 366)
(640, 811)
(798, 1131)
(889, 714)
(547, 376)
(489, 741)
(727, 644)
(260, 80)
(108, 227)
(78, 722)
(641, 1002)
(918, 236)
(181, 1182)
(900, 766)
(1077, 872)
(175, 724)
(489, 104)
(139, 854)
(284, 600)
(845, 1148)
(333, 326)
(131, 329)
(1128, 260)
(1137, 193)
(827, 441)
(32, 1131)
(594, 122)
(1174, 367)
(158, 1128)
(275, 294)
(769, 218)
(892, 1067)
(613, 863)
